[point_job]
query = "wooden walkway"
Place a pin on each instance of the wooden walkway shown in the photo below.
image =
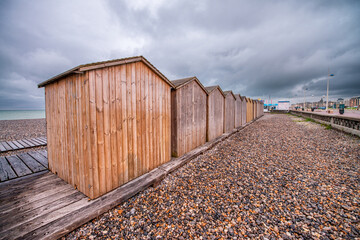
(21, 144)
(23, 164)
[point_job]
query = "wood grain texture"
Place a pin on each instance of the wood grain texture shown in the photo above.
(238, 111)
(229, 113)
(188, 118)
(106, 126)
(215, 114)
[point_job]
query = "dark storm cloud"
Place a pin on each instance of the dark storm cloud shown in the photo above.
(256, 48)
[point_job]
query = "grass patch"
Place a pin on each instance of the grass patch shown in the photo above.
(309, 120)
(326, 126)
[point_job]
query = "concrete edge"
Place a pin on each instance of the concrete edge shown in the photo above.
(335, 126)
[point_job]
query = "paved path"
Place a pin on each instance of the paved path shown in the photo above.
(281, 177)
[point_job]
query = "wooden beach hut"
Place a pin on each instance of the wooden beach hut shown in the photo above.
(215, 112)
(229, 111)
(249, 108)
(238, 110)
(107, 123)
(255, 104)
(243, 110)
(188, 115)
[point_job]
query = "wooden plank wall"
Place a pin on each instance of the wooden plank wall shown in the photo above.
(238, 111)
(188, 118)
(249, 111)
(243, 111)
(107, 126)
(215, 117)
(229, 113)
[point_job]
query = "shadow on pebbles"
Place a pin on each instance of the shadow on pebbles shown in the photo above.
(274, 179)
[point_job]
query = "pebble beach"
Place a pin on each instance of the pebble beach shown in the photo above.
(20, 129)
(282, 177)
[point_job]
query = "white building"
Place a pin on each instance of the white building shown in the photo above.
(283, 105)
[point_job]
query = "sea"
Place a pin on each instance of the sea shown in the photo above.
(21, 114)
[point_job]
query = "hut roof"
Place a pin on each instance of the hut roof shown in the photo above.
(238, 96)
(212, 88)
(179, 83)
(96, 65)
(230, 92)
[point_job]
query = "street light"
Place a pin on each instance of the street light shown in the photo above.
(305, 98)
(327, 91)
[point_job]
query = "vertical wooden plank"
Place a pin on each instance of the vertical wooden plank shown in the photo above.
(93, 134)
(80, 131)
(174, 122)
(113, 131)
(151, 116)
(107, 144)
(147, 119)
(138, 128)
(85, 113)
(100, 129)
(63, 141)
(143, 119)
(130, 115)
(119, 125)
(124, 112)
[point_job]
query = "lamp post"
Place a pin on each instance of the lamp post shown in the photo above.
(305, 98)
(327, 91)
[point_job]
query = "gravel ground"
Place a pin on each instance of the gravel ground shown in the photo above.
(279, 178)
(20, 129)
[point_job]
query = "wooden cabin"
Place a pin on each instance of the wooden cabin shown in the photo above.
(255, 103)
(188, 115)
(215, 112)
(243, 110)
(107, 123)
(249, 110)
(238, 110)
(229, 111)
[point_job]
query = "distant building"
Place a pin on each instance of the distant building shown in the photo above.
(347, 102)
(283, 105)
(354, 102)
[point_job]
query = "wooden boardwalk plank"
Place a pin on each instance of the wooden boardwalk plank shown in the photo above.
(16, 218)
(6, 146)
(19, 167)
(25, 228)
(34, 195)
(2, 148)
(34, 165)
(40, 158)
(23, 143)
(28, 143)
(31, 140)
(37, 141)
(43, 152)
(12, 145)
(20, 192)
(18, 144)
(6, 172)
(42, 140)
(58, 227)
(40, 202)
(24, 181)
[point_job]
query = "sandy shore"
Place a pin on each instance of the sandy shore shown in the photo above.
(19, 129)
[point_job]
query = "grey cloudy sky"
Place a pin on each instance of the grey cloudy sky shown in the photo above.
(255, 48)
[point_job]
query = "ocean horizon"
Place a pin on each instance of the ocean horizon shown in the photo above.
(21, 114)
